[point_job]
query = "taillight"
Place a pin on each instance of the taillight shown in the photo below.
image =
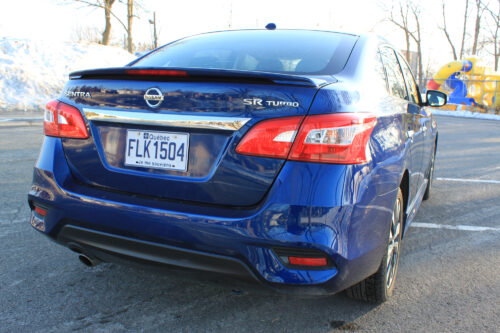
(330, 138)
(334, 138)
(270, 138)
(64, 121)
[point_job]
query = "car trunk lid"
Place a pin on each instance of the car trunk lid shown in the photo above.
(204, 112)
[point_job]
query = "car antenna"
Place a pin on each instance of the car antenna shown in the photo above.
(271, 26)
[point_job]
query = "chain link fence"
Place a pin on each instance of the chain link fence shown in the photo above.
(472, 95)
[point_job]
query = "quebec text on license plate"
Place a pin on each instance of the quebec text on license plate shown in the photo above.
(158, 150)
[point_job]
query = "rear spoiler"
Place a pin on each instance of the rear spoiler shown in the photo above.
(196, 74)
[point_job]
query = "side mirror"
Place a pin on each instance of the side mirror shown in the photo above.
(436, 98)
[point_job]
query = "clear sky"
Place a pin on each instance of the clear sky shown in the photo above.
(57, 20)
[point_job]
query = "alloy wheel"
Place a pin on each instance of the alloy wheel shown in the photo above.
(393, 248)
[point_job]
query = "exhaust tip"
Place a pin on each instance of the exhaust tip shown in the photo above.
(87, 261)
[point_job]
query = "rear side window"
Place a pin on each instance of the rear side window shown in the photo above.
(380, 72)
(281, 51)
(410, 81)
(395, 77)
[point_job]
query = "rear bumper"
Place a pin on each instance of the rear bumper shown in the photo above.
(114, 248)
(347, 223)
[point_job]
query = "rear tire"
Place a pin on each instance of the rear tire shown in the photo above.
(430, 176)
(378, 287)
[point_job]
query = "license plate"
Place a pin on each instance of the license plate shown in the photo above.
(158, 150)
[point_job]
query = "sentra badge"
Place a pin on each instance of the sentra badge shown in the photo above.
(70, 94)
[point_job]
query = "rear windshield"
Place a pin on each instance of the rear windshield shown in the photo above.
(280, 51)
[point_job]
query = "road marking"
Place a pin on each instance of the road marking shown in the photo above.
(452, 227)
(486, 181)
(5, 120)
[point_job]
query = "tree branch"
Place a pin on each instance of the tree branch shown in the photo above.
(446, 31)
(465, 29)
(98, 4)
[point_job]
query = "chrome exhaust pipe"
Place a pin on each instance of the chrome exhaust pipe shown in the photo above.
(84, 258)
(88, 261)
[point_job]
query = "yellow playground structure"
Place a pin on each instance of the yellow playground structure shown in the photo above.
(468, 82)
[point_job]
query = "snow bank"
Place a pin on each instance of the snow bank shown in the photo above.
(466, 114)
(34, 72)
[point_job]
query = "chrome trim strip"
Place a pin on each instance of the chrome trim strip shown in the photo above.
(173, 120)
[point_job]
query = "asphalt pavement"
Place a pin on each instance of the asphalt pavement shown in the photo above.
(448, 278)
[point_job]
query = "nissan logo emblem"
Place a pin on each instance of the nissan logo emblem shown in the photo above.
(153, 97)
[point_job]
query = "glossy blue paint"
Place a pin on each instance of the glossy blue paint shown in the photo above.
(240, 206)
(216, 174)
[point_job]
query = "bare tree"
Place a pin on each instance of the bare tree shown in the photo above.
(402, 22)
(429, 70)
(108, 14)
(133, 6)
(409, 21)
(86, 34)
(465, 29)
(477, 27)
(417, 37)
(494, 33)
(107, 17)
(130, 17)
(444, 28)
(107, 6)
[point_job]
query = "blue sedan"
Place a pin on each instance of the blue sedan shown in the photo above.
(291, 157)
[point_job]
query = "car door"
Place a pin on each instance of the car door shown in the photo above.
(424, 119)
(410, 126)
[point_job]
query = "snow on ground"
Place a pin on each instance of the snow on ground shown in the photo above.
(466, 114)
(34, 72)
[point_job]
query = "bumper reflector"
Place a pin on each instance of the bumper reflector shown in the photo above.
(40, 211)
(303, 258)
(302, 261)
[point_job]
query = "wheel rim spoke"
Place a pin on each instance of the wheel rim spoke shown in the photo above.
(393, 246)
(396, 234)
(389, 255)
